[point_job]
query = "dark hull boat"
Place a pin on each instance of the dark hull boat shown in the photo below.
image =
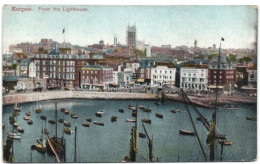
(43, 118)
(98, 123)
(252, 119)
(89, 119)
(142, 135)
(28, 113)
(121, 110)
(173, 111)
(159, 115)
(147, 110)
(113, 118)
(85, 124)
(186, 132)
(148, 121)
(30, 122)
(225, 142)
(98, 114)
(67, 130)
(51, 122)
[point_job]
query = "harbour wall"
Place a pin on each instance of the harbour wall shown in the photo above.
(39, 96)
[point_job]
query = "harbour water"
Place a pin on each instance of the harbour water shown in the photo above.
(111, 142)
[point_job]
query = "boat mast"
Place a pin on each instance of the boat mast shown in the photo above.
(150, 144)
(56, 118)
(75, 152)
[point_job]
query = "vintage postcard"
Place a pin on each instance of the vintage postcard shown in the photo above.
(86, 83)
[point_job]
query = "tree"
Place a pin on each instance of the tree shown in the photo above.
(14, 66)
(212, 56)
(247, 59)
(199, 56)
(231, 58)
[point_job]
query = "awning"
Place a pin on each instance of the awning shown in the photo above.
(132, 82)
(140, 80)
(214, 86)
(113, 84)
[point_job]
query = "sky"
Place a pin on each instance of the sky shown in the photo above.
(158, 25)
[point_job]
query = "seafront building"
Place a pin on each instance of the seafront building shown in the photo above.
(194, 77)
(163, 74)
(62, 70)
(225, 74)
(96, 77)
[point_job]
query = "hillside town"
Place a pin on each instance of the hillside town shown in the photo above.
(50, 65)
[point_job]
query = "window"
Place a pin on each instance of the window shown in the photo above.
(67, 76)
(165, 72)
(44, 68)
(54, 75)
(38, 68)
(91, 72)
(189, 74)
(50, 75)
(54, 68)
(83, 71)
(95, 72)
(50, 62)
(43, 62)
(170, 71)
(202, 80)
(59, 76)
(155, 71)
(50, 68)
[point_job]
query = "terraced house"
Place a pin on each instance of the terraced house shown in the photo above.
(96, 77)
(194, 77)
(61, 69)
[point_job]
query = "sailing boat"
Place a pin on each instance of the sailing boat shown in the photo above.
(41, 146)
(38, 109)
(150, 146)
(55, 145)
(133, 142)
(16, 108)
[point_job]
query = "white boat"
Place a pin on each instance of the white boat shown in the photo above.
(14, 135)
(101, 112)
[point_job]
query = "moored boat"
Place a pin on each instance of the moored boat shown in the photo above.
(19, 129)
(61, 120)
(66, 111)
(51, 122)
(26, 118)
(231, 107)
(133, 113)
(29, 122)
(252, 119)
(101, 112)
(147, 110)
(17, 109)
(28, 113)
(156, 103)
(141, 107)
(187, 132)
(67, 130)
(43, 118)
(98, 123)
(98, 115)
(130, 120)
(132, 108)
(113, 118)
(40, 147)
(62, 109)
(38, 110)
(68, 124)
(179, 111)
(74, 115)
(159, 115)
(142, 135)
(13, 135)
(16, 124)
(220, 136)
(121, 110)
(225, 142)
(89, 119)
(146, 120)
(85, 124)
(173, 111)
(15, 113)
